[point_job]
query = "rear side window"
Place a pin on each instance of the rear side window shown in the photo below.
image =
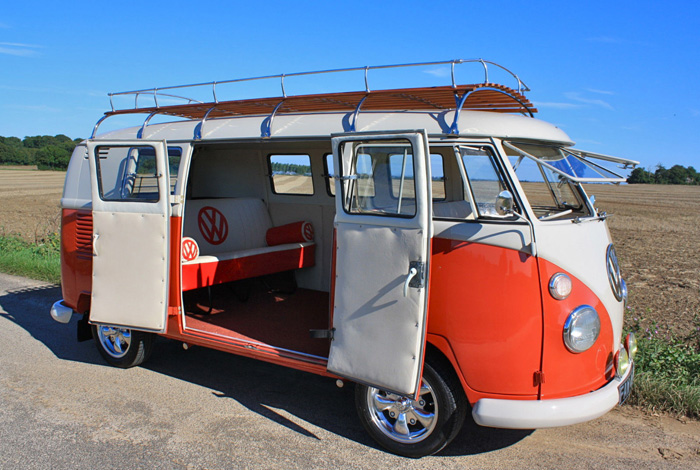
(291, 174)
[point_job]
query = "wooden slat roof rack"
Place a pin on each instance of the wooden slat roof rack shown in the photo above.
(480, 97)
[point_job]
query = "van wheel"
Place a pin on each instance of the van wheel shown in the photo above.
(122, 347)
(415, 428)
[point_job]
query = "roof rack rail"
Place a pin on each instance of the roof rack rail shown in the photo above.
(159, 91)
(484, 96)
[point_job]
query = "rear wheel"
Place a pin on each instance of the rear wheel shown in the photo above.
(122, 347)
(415, 428)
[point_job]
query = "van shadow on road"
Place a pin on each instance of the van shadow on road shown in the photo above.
(261, 387)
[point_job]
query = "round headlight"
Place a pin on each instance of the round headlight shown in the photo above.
(623, 361)
(560, 286)
(631, 345)
(581, 329)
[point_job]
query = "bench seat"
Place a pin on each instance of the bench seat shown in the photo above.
(238, 250)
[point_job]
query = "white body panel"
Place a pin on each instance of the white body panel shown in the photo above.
(471, 124)
(581, 250)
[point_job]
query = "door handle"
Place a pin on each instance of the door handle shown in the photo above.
(94, 243)
(411, 274)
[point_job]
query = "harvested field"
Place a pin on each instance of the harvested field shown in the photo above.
(29, 202)
(656, 230)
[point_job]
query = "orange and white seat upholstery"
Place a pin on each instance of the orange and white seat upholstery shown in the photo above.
(232, 236)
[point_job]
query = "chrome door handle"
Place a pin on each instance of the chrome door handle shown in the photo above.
(411, 274)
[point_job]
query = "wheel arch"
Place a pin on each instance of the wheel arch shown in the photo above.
(439, 352)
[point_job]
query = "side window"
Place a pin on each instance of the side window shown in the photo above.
(437, 171)
(174, 157)
(127, 174)
(291, 174)
(330, 180)
(485, 179)
(379, 179)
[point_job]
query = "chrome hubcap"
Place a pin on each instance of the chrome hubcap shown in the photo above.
(115, 341)
(401, 418)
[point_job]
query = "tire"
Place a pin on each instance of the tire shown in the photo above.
(122, 347)
(431, 422)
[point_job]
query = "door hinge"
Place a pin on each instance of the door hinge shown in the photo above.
(322, 334)
(538, 378)
(176, 199)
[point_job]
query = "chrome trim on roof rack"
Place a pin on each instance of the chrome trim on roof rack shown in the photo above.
(158, 91)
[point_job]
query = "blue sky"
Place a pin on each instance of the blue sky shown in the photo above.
(620, 77)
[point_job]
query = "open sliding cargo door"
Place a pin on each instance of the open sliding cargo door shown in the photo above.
(383, 228)
(130, 213)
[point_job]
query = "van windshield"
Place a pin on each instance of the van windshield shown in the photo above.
(544, 174)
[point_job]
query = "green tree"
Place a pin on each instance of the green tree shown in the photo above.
(52, 157)
(640, 176)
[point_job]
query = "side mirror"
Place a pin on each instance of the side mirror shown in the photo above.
(504, 203)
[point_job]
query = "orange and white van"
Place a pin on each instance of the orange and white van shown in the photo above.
(433, 245)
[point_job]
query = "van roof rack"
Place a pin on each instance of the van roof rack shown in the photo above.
(483, 96)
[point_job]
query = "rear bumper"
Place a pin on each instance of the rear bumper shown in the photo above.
(533, 414)
(60, 312)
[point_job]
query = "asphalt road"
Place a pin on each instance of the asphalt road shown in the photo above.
(61, 406)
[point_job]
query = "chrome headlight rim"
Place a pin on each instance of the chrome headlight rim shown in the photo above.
(570, 329)
(560, 286)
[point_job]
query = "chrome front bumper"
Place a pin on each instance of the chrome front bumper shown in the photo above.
(60, 312)
(533, 414)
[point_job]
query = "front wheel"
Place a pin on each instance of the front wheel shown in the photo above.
(414, 428)
(122, 347)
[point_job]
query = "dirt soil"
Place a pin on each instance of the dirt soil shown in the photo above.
(30, 202)
(656, 231)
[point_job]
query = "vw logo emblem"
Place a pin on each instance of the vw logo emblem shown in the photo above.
(212, 225)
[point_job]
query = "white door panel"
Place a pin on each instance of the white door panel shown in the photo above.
(131, 211)
(383, 228)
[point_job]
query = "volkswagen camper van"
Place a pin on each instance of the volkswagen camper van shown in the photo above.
(433, 245)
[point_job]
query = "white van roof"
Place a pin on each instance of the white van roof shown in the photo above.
(482, 109)
(471, 124)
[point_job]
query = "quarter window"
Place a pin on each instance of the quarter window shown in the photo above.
(485, 179)
(291, 174)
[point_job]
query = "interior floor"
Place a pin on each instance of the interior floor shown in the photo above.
(268, 310)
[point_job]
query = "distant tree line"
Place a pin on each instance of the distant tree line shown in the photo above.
(290, 169)
(677, 174)
(45, 151)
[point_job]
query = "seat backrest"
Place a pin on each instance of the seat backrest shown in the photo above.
(226, 225)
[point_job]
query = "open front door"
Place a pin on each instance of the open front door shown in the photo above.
(130, 216)
(383, 228)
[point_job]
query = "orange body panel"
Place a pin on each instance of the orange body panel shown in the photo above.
(76, 258)
(486, 301)
(565, 373)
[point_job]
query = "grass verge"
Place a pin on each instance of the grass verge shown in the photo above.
(40, 260)
(668, 371)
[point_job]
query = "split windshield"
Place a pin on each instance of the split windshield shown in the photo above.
(546, 174)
